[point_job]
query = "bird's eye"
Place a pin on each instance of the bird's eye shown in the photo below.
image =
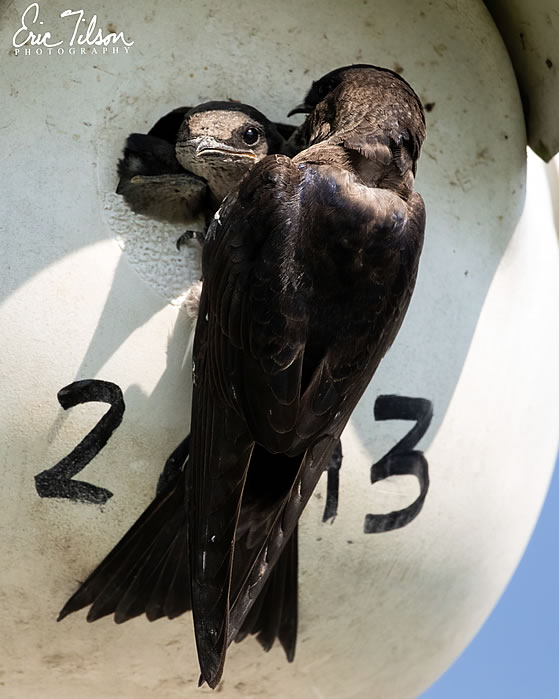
(250, 136)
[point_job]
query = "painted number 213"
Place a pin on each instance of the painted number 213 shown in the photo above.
(403, 459)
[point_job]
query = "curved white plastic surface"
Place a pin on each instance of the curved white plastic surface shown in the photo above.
(381, 615)
(529, 30)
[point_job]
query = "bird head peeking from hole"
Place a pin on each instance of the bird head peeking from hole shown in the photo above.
(193, 156)
(221, 141)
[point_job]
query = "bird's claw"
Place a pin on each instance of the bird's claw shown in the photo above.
(187, 236)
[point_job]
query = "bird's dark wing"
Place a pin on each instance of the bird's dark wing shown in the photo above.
(154, 183)
(248, 351)
(256, 303)
(397, 248)
(269, 397)
(274, 614)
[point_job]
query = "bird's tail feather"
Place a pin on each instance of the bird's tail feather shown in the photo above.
(274, 613)
(147, 571)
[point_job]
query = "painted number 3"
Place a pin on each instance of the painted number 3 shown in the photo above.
(402, 459)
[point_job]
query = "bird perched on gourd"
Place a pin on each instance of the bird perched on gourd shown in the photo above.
(309, 267)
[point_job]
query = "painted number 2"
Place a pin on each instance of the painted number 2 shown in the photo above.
(57, 482)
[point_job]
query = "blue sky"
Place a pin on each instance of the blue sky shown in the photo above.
(516, 653)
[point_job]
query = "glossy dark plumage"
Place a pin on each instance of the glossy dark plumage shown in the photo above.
(309, 267)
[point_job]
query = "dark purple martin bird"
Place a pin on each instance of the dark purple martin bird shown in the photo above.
(309, 267)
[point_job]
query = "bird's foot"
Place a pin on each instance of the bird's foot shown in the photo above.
(333, 485)
(189, 235)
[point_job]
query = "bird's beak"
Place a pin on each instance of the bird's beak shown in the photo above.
(206, 144)
(209, 146)
(300, 109)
